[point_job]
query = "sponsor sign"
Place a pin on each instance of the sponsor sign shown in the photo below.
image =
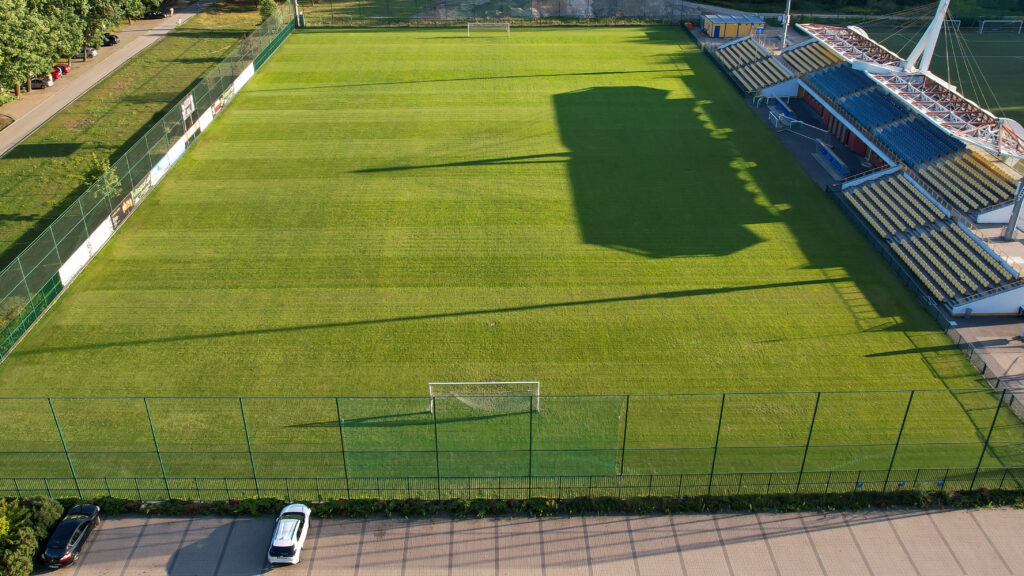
(188, 107)
(118, 216)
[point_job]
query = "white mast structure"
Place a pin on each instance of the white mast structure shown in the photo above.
(785, 24)
(921, 58)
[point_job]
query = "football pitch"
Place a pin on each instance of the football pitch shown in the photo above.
(596, 209)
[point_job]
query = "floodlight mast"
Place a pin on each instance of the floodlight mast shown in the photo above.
(785, 24)
(926, 47)
(1018, 201)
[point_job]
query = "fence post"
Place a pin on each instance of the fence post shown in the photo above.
(807, 445)
(156, 444)
(529, 474)
(714, 455)
(64, 445)
(437, 454)
(344, 456)
(248, 445)
(17, 489)
(988, 437)
(625, 431)
(896, 447)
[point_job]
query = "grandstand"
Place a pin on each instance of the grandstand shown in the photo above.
(750, 65)
(838, 81)
(917, 141)
(968, 182)
(893, 205)
(740, 53)
(872, 108)
(949, 263)
(894, 112)
(809, 57)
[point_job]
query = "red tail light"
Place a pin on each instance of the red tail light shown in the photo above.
(65, 557)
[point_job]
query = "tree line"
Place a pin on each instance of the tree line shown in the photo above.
(36, 33)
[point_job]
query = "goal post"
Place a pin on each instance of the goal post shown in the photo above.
(1012, 26)
(489, 26)
(489, 396)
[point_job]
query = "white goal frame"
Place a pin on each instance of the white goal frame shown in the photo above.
(1019, 23)
(490, 25)
(478, 389)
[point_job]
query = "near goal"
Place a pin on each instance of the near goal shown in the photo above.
(489, 26)
(489, 396)
(1013, 26)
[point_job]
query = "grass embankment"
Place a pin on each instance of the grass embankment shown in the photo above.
(41, 176)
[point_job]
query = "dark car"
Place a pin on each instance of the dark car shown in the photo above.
(155, 15)
(70, 535)
(110, 39)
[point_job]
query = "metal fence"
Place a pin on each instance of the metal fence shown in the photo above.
(743, 441)
(30, 283)
(319, 13)
(618, 486)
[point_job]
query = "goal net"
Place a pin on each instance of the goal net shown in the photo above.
(489, 396)
(991, 26)
(489, 26)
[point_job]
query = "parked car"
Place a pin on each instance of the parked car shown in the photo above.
(289, 535)
(90, 51)
(110, 39)
(56, 73)
(69, 537)
(155, 15)
(64, 68)
(38, 83)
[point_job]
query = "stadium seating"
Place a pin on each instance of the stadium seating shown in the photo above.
(760, 74)
(872, 108)
(892, 205)
(838, 81)
(740, 54)
(917, 140)
(949, 263)
(968, 182)
(809, 58)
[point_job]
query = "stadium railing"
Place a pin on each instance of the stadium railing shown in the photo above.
(39, 274)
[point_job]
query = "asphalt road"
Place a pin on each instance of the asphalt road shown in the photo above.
(876, 543)
(33, 109)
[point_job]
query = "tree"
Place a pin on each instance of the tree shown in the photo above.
(102, 14)
(24, 44)
(267, 8)
(66, 22)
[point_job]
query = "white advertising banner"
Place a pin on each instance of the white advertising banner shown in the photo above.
(205, 118)
(244, 77)
(85, 252)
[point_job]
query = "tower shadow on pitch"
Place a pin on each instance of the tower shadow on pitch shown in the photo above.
(649, 178)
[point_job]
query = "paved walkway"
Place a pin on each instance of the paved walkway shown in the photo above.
(36, 107)
(930, 543)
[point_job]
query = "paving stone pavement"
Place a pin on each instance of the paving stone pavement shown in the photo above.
(875, 543)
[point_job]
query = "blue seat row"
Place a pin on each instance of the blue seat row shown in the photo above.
(918, 141)
(873, 108)
(838, 81)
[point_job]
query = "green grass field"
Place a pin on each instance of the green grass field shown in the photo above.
(596, 209)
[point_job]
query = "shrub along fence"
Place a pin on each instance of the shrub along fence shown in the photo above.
(38, 275)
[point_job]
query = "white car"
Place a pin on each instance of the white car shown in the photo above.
(289, 535)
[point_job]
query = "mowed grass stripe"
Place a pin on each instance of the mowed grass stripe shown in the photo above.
(596, 209)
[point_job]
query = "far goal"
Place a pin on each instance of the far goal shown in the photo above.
(470, 26)
(1004, 26)
(489, 396)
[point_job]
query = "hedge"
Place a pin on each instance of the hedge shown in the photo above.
(26, 524)
(571, 506)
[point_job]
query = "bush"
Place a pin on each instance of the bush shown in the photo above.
(267, 8)
(26, 523)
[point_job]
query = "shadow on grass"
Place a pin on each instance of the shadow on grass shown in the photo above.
(420, 317)
(48, 150)
(398, 420)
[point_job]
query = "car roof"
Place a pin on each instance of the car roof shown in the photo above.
(295, 509)
(287, 532)
(87, 509)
